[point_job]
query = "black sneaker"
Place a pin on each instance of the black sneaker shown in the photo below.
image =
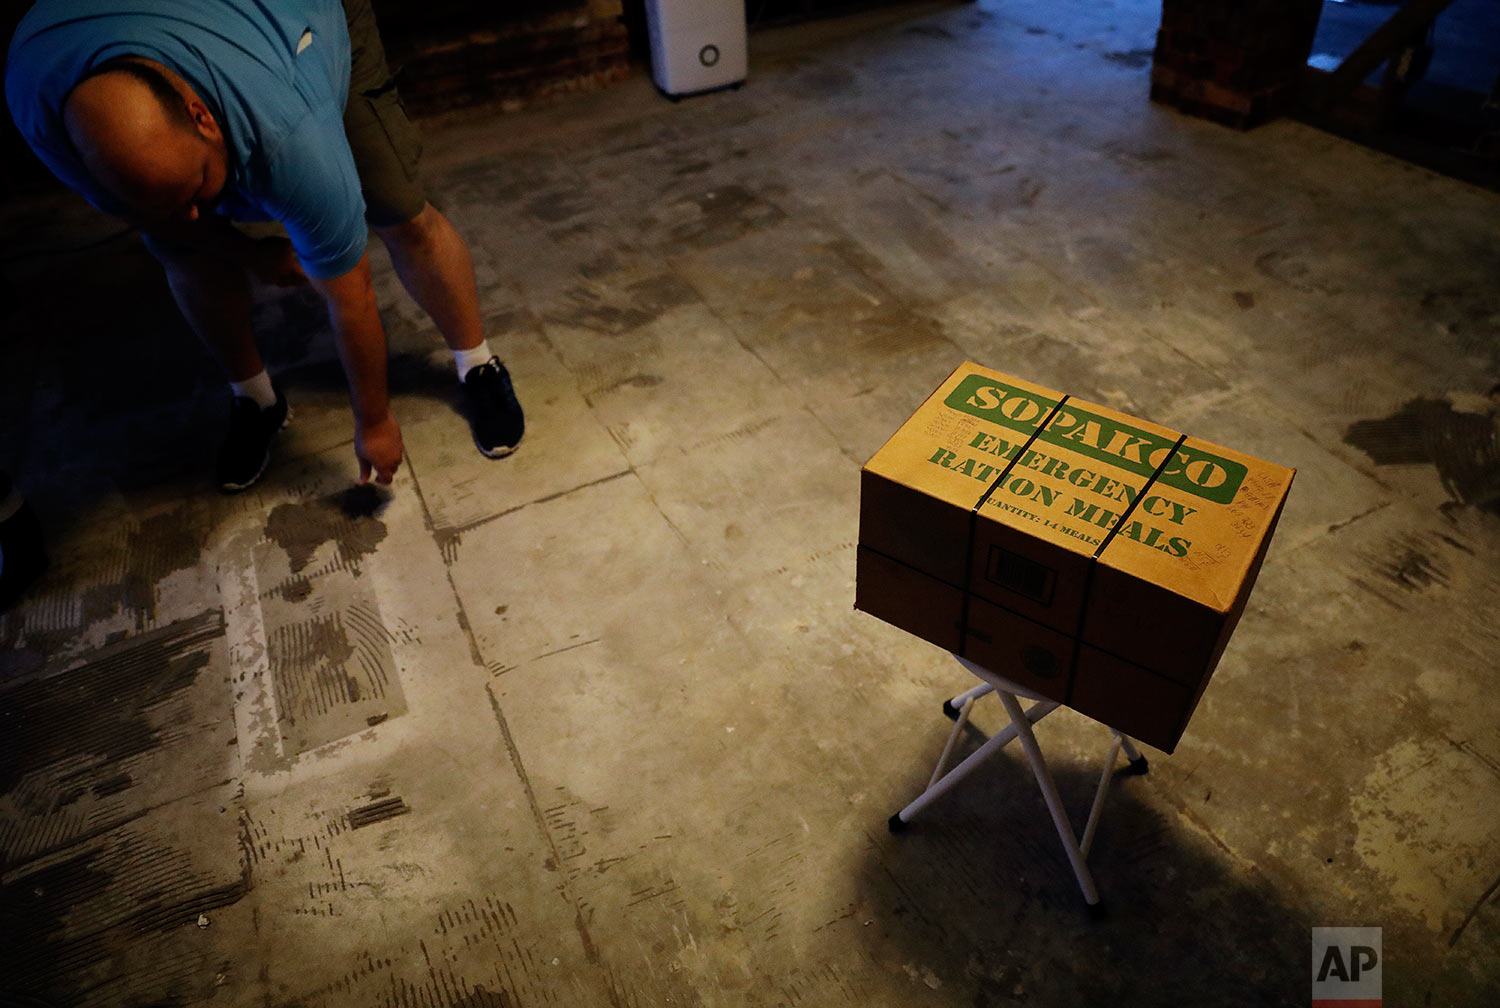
(495, 416)
(247, 448)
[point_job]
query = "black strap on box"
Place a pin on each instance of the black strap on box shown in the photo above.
(963, 613)
(1088, 578)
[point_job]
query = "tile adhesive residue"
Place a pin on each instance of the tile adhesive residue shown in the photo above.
(329, 651)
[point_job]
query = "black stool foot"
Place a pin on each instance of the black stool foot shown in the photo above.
(951, 711)
(1097, 911)
(1137, 767)
(897, 824)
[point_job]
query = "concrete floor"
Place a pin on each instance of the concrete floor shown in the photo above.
(598, 725)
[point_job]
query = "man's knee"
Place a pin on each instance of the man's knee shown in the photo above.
(417, 232)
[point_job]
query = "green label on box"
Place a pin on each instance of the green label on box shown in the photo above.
(1099, 437)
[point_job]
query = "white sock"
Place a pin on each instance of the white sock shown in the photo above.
(257, 388)
(468, 359)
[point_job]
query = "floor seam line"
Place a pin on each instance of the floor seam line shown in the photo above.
(512, 750)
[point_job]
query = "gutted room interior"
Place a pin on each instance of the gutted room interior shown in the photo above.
(598, 723)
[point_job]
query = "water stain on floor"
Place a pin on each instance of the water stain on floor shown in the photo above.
(1463, 446)
(346, 519)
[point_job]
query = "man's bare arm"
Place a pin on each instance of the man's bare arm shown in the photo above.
(361, 344)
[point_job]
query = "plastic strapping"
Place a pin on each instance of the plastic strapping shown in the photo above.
(1088, 578)
(963, 615)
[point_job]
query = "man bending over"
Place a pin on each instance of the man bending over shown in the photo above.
(182, 115)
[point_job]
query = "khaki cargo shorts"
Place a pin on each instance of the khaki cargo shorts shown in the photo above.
(386, 145)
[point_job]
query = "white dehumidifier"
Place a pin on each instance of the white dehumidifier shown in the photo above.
(696, 45)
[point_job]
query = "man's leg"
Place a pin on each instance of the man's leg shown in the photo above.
(430, 257)
(214, 296)
(435, 267)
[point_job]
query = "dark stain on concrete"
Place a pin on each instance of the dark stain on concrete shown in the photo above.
(897, 331)
(1468, 312)
(587, 310)
(1295, 271)
(856, 256)
(1139, 154)
(600, 267)
(113, 785)
(640, 381)
(823, 81)
(297, 589)
(158, 546)
(377, 811)
(95, 715)
(928, 31)
(559, 206)
(644, 300)
(332, 668)
(726, 213)
(307, 648)
(309, 662)
(661, 293)
(448, 540)
(1413, 570)
(1463, 447)
(1136, 59)
(1245, 299)
(1019, 193)
(66, 920)
(35, 910)
(346, 519)
(483, 997)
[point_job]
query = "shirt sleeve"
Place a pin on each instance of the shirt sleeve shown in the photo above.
(312, 189)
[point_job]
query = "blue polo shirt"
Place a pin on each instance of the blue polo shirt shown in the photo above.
(274, 73)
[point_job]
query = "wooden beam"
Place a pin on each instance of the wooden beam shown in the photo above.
(1412, 17)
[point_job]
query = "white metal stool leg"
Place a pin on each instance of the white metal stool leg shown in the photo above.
(959, 707)
(1054, 800)
(940, 785)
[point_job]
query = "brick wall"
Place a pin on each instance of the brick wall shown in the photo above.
(1238, 62)
(448, 53)
(453, 53)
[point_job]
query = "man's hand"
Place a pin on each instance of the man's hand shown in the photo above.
(274, 262)
(378, 447)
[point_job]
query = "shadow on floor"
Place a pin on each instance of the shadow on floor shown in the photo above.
(991, 844)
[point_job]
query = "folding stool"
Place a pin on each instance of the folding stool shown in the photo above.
(1020, 727)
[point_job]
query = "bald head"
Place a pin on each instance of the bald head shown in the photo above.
(145, 136)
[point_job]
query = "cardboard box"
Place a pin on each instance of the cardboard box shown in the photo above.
(1100, 560)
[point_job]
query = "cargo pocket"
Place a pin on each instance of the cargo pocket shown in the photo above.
(387, 151)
